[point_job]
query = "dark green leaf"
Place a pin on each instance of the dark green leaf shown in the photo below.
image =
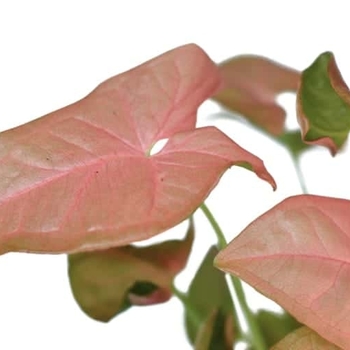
(214, 333)
(209, 292)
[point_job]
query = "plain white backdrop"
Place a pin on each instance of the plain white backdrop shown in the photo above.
(55, 52)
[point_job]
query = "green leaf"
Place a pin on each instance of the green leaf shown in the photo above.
(209, 293)
(107, 282)
(324, 104)
(276, 326)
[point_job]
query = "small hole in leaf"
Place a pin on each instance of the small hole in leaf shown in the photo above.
(143, 288)
(158, 146)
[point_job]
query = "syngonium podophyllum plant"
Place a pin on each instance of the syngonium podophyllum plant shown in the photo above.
(84, 181)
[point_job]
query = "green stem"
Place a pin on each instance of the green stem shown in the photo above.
(190, 310)
(300, 175)
(220, 235)
(254, 334)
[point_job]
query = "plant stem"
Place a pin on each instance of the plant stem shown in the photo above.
(220, 235)
(254, 335)
(300, 175)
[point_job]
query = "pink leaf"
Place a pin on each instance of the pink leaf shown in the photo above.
(298, 254)
(82, 177)
(251, 85)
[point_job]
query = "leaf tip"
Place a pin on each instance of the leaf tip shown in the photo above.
(219, 261)
(260, 170)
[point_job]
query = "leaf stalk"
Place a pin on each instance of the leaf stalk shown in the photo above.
(253, 336)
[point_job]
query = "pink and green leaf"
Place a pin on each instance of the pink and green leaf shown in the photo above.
(324, 104)
(251, 86)
(83, 177)
(298, 254)
(107, 282)
(304, 339)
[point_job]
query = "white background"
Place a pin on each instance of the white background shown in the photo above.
(55, 52)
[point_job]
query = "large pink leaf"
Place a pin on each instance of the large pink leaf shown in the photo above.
(82, 177)
(298, 254)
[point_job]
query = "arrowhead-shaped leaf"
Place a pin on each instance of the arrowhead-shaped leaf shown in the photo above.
(106, 282)
(304, 339)
(210, 299)
(82, 178)
(324, 104)
(298, 254)
(251, 86)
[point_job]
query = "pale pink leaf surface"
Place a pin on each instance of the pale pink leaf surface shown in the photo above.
(251, 86)
(82, 178)
(298, 254)
(304, 339)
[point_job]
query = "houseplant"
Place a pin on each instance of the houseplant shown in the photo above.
(85, 180)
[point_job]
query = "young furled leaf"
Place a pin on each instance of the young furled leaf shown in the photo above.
(82, 178)
(324, 104)
(107, 282)
(298, 254)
